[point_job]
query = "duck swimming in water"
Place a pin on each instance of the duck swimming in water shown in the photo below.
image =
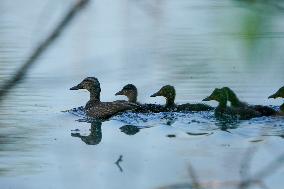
(169, 93)
(131, 92)
(236, 103)
(279, 94)
(222, 110)
(97, 109)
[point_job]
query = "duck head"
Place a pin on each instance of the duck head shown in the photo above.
(278, 94)
(218, 95)
(232, 97)
(91, 84)
(168, 92)
(130, 91)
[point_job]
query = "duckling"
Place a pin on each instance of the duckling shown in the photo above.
(222, 110)
(279, 94)
(169, 93)
(97, 109)
(235, 102)
(131, 92)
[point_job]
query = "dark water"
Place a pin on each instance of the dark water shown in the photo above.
(193, 45)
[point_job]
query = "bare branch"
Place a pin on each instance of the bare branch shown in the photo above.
(42, 47)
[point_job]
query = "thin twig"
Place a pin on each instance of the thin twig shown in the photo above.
(117, 163)
(9, 84)
(246, 164)
(194, 177)
(271, 167)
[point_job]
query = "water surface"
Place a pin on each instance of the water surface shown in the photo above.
(193, 45)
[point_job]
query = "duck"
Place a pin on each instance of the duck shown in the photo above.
(222, 110)
(279, 94)
(131, 92)
(97, 109)
(169, 92)
(236, 103)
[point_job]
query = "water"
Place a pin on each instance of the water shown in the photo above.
(193, 45)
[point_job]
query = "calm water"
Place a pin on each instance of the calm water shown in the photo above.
(193, 45)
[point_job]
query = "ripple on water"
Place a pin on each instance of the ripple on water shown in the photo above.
(191, 123)
(79, 111)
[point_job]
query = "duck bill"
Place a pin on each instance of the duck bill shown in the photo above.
(119, 93)
(155, 94)
(207, 99)
(77, 87)
(273, 96)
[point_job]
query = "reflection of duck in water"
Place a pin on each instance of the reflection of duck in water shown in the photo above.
(94, 137)
(97, 109)
(222, 110)
(131, 92)
(225, 124)
(169, 93)
(236, 103)
(129, 129)
(279, 94)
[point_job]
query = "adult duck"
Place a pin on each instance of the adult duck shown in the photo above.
(222, 110)
(169, 93)
(279, 94)
(236, 103)
(131, 92)
(97, 109)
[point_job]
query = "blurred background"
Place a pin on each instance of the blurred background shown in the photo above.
(191, 44)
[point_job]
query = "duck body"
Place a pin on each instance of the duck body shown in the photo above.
(264, 110)
(101, 110)
(246, 113)
(222, 110)
(105, 110)
(236, 103)
(131, 92)
(155, 108)
(169, 93)
(194, 107)
(238, 113)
